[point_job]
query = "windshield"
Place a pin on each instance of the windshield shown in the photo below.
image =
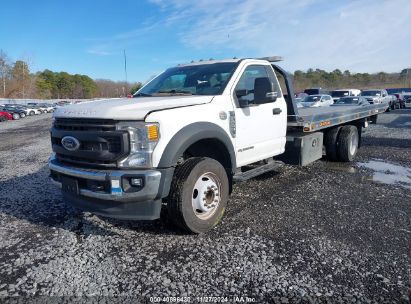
(204, 79)
(371, 93)
(312, 98)
(339, 93)
(348, 100)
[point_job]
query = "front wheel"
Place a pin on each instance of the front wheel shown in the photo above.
(31, 113)
(198, 195)
(16, 116)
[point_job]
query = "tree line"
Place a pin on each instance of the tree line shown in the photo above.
(17, 81)
(338, 79)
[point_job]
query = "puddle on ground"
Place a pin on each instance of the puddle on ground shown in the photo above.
(388, 173)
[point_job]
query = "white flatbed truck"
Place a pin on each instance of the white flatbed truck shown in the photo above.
(188, 135)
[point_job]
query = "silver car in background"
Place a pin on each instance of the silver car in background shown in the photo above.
(376, 96)
(314, 101)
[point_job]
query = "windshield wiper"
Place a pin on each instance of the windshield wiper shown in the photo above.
(142, 95)
(175, 92)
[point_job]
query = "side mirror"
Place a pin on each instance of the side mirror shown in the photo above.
(272, 96)
(242, 102)
(264, 91)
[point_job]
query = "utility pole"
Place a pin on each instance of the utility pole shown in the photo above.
(4, 86)
(125, 69)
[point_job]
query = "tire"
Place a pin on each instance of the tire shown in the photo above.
(16, 116)
(347, 144)
(330, 143)
(32, 113)
(22, 115)
(198, 195)
(3, 118)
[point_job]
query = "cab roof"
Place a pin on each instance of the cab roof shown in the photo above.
(211, 61)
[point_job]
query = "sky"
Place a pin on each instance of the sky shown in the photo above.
(89, 37)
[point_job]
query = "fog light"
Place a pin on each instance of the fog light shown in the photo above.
(136, 181)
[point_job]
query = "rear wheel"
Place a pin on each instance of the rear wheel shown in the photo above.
(330, 143)
(198, 195)
(3, 118)
(347, 143)
(22, 115)
(31, 113)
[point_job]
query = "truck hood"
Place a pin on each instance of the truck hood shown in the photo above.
(127, 108)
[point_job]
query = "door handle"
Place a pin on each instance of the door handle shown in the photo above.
(277, 111)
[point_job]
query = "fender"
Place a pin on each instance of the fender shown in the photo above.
(191, 134)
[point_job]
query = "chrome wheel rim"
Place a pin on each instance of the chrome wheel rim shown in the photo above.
(206, 195)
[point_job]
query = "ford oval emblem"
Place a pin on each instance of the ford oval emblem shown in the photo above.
(70, 143)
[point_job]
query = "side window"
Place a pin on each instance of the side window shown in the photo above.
(247, 81)
(274, 80)
(252, 75)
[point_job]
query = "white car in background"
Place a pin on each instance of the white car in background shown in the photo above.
(337, 94)
(43, 107)
(49, 108)
(314, 101)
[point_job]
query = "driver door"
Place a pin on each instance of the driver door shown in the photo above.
(261, 123)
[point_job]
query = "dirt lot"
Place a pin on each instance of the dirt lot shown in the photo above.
(327, 232)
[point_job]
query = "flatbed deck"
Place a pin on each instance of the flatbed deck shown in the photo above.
(314, 119)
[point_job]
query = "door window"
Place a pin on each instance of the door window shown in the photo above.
(248, 78)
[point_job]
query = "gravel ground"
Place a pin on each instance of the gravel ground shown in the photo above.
(327, 232)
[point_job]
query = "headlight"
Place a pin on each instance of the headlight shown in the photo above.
(143, 139)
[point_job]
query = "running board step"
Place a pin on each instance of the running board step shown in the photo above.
(243, 176)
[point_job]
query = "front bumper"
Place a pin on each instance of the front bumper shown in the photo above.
(108, 192)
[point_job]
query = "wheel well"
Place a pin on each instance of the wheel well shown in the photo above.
(212, 148)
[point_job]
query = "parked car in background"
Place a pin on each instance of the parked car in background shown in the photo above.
(62, 103)
(393, 103)
(44, 107)
(5, 116)
(28, 109)
(315, 101)
(337, 94)
(300, 96)
(407, 99)
(351, 101)
(400, 103)
(376, 96)
(16, 113)
(316, 91)
(49, 108)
